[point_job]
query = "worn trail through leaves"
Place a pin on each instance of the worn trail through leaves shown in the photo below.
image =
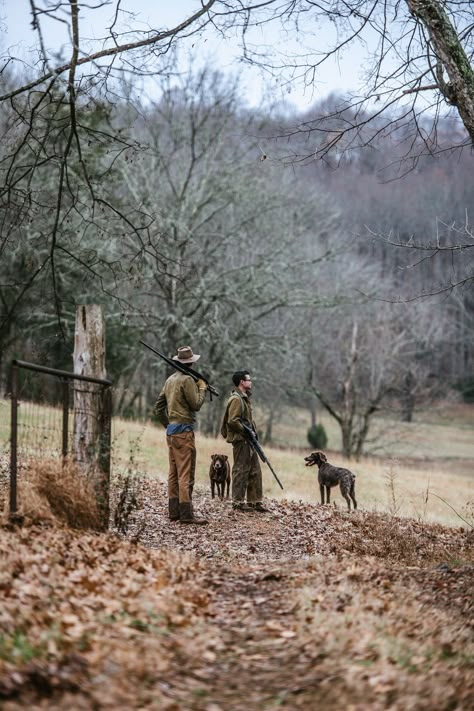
(302, 607)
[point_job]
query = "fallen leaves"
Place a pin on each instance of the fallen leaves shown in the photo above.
(303, 607)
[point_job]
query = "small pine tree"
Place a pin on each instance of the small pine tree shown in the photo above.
(317, 436)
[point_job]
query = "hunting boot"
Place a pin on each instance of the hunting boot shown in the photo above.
(186, 514)
(258, 506)
(173, 509)
(241, 506)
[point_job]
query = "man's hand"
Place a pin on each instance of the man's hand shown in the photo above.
(201, 384)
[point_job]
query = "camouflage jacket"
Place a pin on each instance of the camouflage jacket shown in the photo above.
(179, 400)
(238, 408)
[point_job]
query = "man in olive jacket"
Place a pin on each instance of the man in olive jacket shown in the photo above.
(176, 409)
(246, 472)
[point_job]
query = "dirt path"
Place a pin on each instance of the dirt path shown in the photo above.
(297, 636)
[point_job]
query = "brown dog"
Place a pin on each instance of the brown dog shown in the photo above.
(329, 476)
(219, 474)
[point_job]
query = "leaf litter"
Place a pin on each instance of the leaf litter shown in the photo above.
(303, 607)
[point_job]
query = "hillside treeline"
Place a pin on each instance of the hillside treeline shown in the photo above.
(194, 219)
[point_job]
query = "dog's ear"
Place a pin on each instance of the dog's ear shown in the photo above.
(213, 457)
(323, 456)
(225, 457)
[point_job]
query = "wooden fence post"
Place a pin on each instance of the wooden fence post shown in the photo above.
(89, 360)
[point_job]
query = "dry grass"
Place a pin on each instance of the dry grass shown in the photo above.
(385, 629)
(424, 470)
(445, 430)
(50, 491)
(401, 540)
(390, 485)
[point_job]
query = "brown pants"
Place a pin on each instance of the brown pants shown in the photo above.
(246, 474)
(182, 459)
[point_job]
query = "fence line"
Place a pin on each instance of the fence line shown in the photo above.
(92, 405)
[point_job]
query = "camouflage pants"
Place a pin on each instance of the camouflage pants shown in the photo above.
(246, 474)
(182, 460)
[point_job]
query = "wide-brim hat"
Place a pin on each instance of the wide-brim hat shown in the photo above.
(186, 355)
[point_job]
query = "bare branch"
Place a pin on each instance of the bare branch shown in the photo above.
(154, 39)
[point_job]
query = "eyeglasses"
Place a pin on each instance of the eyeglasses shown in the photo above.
(247, 380)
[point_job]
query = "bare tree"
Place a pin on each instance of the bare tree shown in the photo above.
(368, 358)
(413, 47)
(51, 142)
(452, 243)
(417, 66)
(242, 241)
(417, 51)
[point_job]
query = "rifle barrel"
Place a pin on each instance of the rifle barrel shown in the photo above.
(253, 441)
(188, 371)
(274, 474)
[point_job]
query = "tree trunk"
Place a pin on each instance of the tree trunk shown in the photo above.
(349, 397)
(362, 432)
(267, 437)
(459, 89)
(408, 397)
(346, 431)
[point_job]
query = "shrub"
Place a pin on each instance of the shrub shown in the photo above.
(127, 489)
(317, 437)
(466, 388)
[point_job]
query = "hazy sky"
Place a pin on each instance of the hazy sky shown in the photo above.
(17, 36)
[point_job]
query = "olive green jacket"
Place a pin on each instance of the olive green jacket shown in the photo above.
(179, 400)
(238, 407)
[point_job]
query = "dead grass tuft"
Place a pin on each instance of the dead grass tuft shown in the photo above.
(398, 539)
(52, 491)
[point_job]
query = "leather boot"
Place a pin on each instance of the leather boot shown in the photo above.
(173, 509)
(241, 506)
(186, 515)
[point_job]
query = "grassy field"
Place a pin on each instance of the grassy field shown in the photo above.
(406, 488)
(424, 470)
(445, 430)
